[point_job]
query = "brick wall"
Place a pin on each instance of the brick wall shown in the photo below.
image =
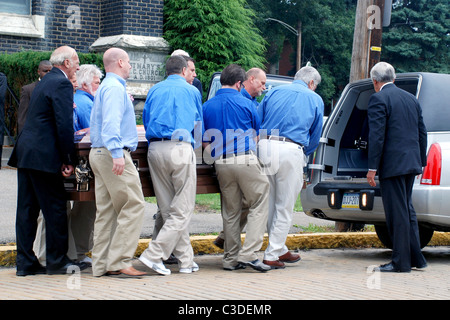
(139, 18)
(89, 20)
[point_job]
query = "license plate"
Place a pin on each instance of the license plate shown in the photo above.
(350, 200)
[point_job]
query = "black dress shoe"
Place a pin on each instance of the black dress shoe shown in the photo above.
(219, 242)
(236, 267)
(70, 268)
(423, 266)
(171, 260)
(31, 272)
(389, 267)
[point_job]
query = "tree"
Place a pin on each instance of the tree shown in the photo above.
(215, 33)
(418, 38)
(327, 36)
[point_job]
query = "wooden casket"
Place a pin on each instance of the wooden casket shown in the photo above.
(85, 190)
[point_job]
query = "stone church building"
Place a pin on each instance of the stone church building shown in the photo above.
(90, 26)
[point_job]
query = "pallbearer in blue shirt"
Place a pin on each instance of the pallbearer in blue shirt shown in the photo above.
(255, 84)
(292, 116)
(173, 125)
(118, 191)
(232, 128)
(252, 88)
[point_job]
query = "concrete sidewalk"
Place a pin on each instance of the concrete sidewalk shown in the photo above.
(322, 274)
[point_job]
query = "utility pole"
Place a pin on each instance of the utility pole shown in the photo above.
(299, 46)
(367, 38)
(376, 36)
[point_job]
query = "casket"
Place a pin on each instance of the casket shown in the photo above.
(83, 189)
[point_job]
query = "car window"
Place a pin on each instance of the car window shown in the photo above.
(272, 82)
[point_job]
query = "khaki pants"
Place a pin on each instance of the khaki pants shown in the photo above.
(284, 162)
(174, 174)
(241, 177)
(120, 212)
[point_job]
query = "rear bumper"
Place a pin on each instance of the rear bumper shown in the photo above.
(316, 202)
(431, 204)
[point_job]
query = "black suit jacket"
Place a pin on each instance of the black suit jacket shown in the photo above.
(397, 133)
(25, 97)
(46, 141)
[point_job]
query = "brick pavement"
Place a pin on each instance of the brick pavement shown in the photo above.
(322, 274)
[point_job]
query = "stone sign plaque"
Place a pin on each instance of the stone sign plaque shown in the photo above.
(146, 67)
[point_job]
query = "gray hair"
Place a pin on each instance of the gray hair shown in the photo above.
(180, 52)
(61, 54)
(87, 73)
(307, 74)
(383, 72)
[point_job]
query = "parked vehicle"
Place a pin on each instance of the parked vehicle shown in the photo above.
(273, 81)
(337, 188)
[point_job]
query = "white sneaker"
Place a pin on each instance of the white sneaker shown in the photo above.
(156, 266)
(194, 268)
(87, 260)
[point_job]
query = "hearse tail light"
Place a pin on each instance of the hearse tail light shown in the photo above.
(366, 199)
(334, 198)
(432, 172)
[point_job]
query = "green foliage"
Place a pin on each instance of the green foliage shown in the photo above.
(327, 37)
(418, 37)
(21, 68)
(215, 33)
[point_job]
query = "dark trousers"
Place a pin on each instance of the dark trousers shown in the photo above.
(401, 221)
(3, 84)
(44, 191)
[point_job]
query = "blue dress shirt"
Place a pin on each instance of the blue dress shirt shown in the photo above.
(231, 123)
(248, 96)
(297, 113)
(113, 122)
(173, 110)
(83, 101)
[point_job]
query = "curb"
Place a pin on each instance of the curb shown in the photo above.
(204, 244)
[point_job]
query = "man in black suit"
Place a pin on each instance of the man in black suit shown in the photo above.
(3, 85)
(397, 151)
(43, 154)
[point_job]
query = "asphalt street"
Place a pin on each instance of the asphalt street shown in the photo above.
(332, 273)
(201, 223)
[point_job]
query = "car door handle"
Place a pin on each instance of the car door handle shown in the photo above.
(316, 166)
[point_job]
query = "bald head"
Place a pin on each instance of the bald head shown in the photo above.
(117, 61)
(253, 72)
(256, 82)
